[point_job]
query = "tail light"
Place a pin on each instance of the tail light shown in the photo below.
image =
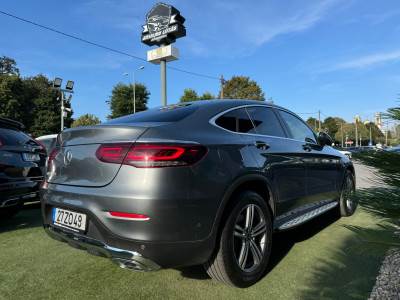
(42, 146)
(151, 155)
(1, 143)
(51, 157)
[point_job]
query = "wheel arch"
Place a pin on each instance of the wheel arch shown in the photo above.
(253, 182)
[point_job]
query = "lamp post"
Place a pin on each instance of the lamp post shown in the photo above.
(68, 89)
(369, 123)
(134, 86)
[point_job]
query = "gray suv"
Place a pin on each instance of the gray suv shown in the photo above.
(204, 182)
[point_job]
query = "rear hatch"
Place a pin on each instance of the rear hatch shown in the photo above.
(20, 156)
(74, 161)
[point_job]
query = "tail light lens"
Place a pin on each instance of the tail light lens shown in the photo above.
(112, 153)
(151, 155)
(51, 157)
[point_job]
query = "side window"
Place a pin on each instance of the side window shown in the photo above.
(236, 120)
(298, 129)
(265, 121)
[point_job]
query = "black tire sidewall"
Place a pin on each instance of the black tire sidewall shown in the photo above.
(344, 210)
(236, 275)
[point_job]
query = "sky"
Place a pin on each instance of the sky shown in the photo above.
(341, 57)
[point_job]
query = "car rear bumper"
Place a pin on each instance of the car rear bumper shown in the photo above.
(124, 258)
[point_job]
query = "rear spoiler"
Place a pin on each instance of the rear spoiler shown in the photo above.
(8, 123)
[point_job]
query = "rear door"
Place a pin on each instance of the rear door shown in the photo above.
(281, 159)
(321, 162)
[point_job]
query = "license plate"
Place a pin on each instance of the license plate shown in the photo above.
(69, 219)
(31, 156)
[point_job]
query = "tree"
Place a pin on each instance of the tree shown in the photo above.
(46, 106)
(331, 126)
(206, 96)
(313, 123)
(393, 113)
(8, 66)
(189, 95)
(242, 87)
(121, 100)
(86, 120)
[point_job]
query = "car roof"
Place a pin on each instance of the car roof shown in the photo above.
(8, 123)
(49, 136)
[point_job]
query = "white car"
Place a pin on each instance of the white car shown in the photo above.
(48, 141)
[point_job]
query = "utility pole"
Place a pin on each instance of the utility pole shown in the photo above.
(356, 132)
(222, 81)
(62, 111)
(319, 121)
(341, 132)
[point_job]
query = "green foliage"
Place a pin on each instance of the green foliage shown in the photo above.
(331, 126)
(86, 120)
(393, 113)
(313, 123)
(189, 95)
(31, 101)
(206, 96)
(242, 87)
(121, 100)
(8, 66)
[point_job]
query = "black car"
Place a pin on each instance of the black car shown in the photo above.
(22, 162)
(205, 182)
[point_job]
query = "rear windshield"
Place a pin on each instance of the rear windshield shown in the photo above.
(171, 113)
(12, 137)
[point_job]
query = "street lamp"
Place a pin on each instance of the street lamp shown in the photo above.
(134, 86)
(369, 123)
(68, 89)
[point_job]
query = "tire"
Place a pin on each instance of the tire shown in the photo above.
(236, 237)
(348, 202)
(9, 212)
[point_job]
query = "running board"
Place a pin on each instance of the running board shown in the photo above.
(307, 216)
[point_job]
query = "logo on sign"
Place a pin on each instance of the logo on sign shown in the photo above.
(164, 25)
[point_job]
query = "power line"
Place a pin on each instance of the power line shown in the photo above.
(99, 45)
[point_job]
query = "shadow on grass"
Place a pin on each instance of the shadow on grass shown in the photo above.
(282, 243)
(28, 217)
(352, 271)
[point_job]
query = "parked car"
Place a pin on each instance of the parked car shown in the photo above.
(345, 152)
(48, 141)
(393, 149)
(205, 182)
(22, 161)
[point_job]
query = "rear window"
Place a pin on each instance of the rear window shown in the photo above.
(171, 113)
(236, 120)
(12, 137)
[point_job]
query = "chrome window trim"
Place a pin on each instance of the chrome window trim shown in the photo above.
(213, 119)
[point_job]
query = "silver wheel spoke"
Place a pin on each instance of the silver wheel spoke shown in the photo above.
(239, 232)
(244, 251)
(257, 255)
(259, 229)
(249, 216)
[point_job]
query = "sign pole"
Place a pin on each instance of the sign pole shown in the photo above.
(163, 70)
(164, 24)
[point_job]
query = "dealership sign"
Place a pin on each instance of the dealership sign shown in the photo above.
(164, 25)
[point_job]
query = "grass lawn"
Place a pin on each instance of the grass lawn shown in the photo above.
(314, 261)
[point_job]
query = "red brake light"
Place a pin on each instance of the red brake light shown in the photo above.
(132, 216)
(151, 155)
(159, 155)
(43, 147)
(112, 153)
(51, 157)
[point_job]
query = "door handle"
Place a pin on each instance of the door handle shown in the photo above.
(307, 147)
(261, 145)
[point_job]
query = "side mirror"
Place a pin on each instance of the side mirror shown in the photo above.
(324, 139)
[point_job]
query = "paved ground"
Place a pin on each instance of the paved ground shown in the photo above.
(367, 177)
(318, 260)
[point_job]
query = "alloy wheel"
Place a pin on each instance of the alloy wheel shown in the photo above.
(249, 237)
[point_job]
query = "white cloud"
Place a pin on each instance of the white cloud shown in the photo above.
(368, 61)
